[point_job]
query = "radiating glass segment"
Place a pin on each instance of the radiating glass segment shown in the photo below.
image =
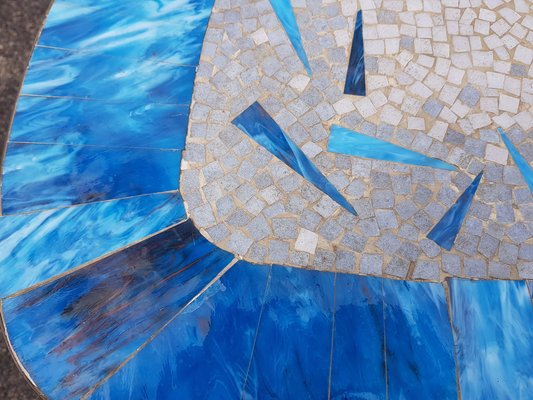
(38, 246)
(85, 324)
(260, 127)
(207, 348)
(420, 351)
(46, 176)
(285, 13)
(345, 141)
(355, 76)
(521, 163)
(492, 323)
(446, 230)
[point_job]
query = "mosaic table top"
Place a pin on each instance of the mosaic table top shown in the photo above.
(274, 199)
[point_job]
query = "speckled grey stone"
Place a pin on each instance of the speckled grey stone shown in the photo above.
(428, 270)
(475, 268)
(278, 251)
(285, 228)
(397, 267)
(345, 261)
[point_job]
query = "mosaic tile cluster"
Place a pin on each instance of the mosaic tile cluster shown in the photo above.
(425, 92)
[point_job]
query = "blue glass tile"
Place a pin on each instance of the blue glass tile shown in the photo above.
(37, 177)
(71, 333)
(292, 353)
(285, 13)
(345, 141)
(520, 162)
(420, 352)
(202, 354)
(259, 126)
(55, 72)
(73, 121)
(446, 230)
(358, 363)
(530, 286)
(39, 246)
(355, 77)
(492, 323)
(170, 31)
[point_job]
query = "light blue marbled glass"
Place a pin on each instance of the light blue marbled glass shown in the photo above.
(345, 141)
(293, 348)
(87, 323)
(358, 360)
(446, 230)
(420, 350)
(259, 126)
(74, 121)
(39, 246)
(285, 13)
(166, 30)
(492, 323)
(55, 72)
(204, 353)
(355, 77)
(40, 177)
(521, 163)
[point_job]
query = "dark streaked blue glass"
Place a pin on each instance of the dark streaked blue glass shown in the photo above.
(420, 352)
(37, 177)
(56, 72)
(71, 333)
(530, 286)
(170, 31)
(358, 361)
(355, 76)
(259, 126)
(492, 323)
(285, 13)
(521, 163)
(204, 353)
(38, 246)
(446, 230)
(75, 121)
(345, 141)
(292, 352)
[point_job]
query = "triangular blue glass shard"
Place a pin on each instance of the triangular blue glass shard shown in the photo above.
(345, 141)
(259, 126)
(446, 230)
(355, 77)
(283, 10)
(521, 163)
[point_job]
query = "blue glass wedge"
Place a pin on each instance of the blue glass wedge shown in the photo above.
(130, 29)
(89, 322)
(42, 176)
(207, 347)
(74, 121)
(292, 352)
(355, 76)
(420, 351)
(285, 13)
(358, 359)
(345, 141)
(260, 127)
(446, 230)
(65, 73)
(521, 163)
(492, 323)
(530, 287)
(52, 242)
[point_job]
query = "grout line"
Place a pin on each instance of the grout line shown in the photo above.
(88, 203)
(91, 262)
(154, 335)
(449, 306)
(267, 290)
(99, 100)
(385, 341)
(332, 333)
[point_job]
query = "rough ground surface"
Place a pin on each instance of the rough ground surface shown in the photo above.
(21, 21)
